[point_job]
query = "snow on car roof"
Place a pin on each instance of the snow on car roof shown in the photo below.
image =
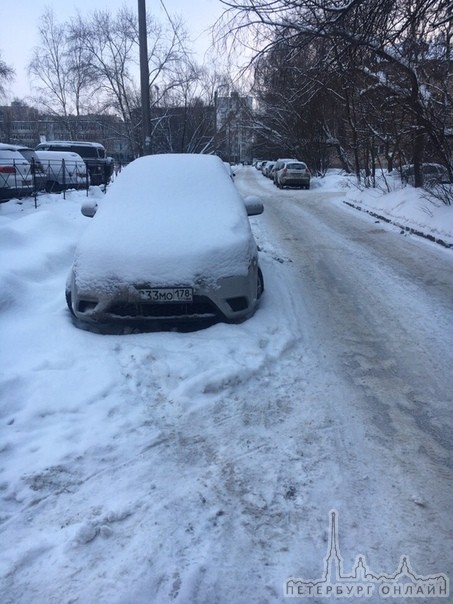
(65, 143)
(58, 155)
(173, 218)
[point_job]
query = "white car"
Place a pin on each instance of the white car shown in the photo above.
(36, 169)
(171, 241)
(100, 167)
(64, 170)
(16, 178)
(293, 174)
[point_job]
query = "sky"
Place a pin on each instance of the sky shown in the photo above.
(17, 43)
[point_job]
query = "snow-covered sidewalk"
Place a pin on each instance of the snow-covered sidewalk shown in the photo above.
(410, 209)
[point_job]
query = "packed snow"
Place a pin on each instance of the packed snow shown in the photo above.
(153, 467)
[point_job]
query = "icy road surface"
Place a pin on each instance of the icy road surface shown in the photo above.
(201, 468)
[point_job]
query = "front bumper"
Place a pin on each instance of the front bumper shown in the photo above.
(228, 299)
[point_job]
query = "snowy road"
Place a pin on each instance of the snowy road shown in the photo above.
(375, 309)
(379, 305)
(201, 467)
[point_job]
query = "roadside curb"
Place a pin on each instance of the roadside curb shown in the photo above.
(400, 226)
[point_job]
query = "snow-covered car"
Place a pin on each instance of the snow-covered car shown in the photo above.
(171, 240)
(16, 179)
(229, 170)
(99, 165)
(63, 170)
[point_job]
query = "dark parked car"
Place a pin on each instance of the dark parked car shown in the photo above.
(432, 174)
(99, 165)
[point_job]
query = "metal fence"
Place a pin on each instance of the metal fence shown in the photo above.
(29, 179)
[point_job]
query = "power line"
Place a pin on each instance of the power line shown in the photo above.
(175, 31)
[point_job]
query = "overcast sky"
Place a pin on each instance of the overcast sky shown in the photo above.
(20, 20)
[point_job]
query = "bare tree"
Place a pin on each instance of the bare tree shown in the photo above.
(6, 75)
(90, 65)
(111, 44)
(379, 48)
(49, 66)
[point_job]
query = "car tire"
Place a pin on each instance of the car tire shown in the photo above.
(68, 297)
(260, 284)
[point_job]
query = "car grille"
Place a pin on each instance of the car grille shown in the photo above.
(201, 307)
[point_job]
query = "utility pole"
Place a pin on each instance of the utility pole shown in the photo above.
(144, 77)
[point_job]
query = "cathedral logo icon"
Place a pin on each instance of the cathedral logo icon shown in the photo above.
(362, 582)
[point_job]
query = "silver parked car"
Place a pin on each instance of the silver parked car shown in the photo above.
(16, 178)
(269, 169)
(170, 242)
(36, 168)
(279, 165)
(293, 174)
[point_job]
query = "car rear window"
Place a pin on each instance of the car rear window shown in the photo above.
(29, 154)
(298, 166)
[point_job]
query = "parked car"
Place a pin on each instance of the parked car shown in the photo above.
(432, 174)
(229, 170)
(279, 165)
(268, 169)
(293, 174)
(170, 241)
(99, 165)
(63, 170)
(16, 179)
(37, 171)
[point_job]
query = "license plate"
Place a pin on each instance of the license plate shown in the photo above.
(164, 295)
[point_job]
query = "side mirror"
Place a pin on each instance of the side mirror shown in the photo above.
(254, 205)
(89, 208)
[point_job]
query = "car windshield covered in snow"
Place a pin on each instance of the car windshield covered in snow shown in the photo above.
(171, 240)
